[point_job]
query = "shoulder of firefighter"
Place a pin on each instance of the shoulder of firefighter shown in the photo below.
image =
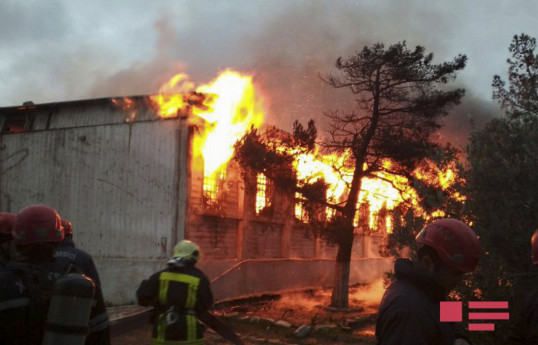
(524, 326)
(179, 296)
(409, 313)
(69, 254)
(30, 296)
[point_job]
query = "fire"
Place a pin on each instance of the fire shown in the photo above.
(231, 108)
(383, 193)
(171, 96)
(127, 105)
(378, 195)
(226, 108)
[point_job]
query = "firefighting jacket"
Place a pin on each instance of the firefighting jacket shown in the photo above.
(525, 329)
(4, 249)
(178, 295)
(409, 313)
(66, 253)
(25, 293)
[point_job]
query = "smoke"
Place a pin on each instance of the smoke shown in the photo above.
(287, 48)
(61, 51)
(144, 77)
(472, 114)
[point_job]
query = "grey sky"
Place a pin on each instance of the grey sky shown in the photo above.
(53, 50)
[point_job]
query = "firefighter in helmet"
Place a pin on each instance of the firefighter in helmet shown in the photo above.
(525, 329)
(68, 253)
(26, 285)
(6, 224)
(181, 297)
(410, 308)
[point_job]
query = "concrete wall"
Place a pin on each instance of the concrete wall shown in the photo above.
(258, 277)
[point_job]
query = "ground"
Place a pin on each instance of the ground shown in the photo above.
(254, 319)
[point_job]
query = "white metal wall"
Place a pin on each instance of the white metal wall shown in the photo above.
(115, 183)
(121, 183)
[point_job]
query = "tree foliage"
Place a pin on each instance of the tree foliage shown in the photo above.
(399, 104)
(521, 97)
(400, 96)
(433, 195)
(503, 183)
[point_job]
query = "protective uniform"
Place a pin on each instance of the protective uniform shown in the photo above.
(68, 253)
(25, 287)
(6, 224)
(181, 295)
(409, 312)
(178, 293)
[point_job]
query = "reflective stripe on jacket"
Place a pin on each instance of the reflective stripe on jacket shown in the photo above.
(178, 295)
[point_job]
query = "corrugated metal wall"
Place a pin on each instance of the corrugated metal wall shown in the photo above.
(116, 181)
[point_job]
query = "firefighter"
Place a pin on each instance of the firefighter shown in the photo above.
(181, 297)
(525, 330)
(26, 285)
(409, 312)
(68, 253)
(6, 224)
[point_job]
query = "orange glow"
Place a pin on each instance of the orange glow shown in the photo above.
(127, 105)
(444, 179)
(230, 110)
(264, 193)
(171, 96)
(378, 193)
(213, 187)
(227, 108)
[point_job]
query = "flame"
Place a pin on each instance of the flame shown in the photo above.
(231, 108)
(225, 108)
(446, 179)
(378, 195)
(228, 106)
(127, 105)
(171, 96)
(382, 193)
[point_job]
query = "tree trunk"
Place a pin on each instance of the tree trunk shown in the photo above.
(339, 297)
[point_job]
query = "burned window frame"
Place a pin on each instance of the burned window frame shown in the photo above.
(300, 213)
(264, 196)
(214, 194)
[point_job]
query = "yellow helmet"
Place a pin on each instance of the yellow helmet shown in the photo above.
(187, 250)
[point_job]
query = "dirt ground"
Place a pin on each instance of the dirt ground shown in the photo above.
(254, 319)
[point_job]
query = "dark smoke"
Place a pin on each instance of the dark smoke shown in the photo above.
(287, 52)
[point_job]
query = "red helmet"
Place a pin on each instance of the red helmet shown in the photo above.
(534, 245)
(7, 220)
(68, 228)
(37, 223)
(454, 241)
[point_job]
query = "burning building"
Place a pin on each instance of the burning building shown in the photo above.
(135, 175)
